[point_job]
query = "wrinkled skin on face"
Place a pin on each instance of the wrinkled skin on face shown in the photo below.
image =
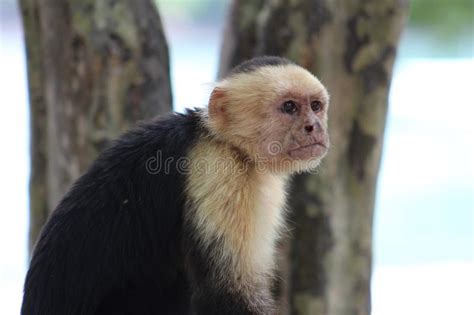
(277, 115)
(300, 135)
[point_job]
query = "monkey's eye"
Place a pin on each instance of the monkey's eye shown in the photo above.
(289, 107)
(316, 106)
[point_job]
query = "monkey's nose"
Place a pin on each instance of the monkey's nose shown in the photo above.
(309, 128)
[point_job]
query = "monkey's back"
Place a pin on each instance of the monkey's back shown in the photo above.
(113, 244)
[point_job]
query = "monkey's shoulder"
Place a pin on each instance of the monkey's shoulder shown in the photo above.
(167, 137)
(140, 167)
(172, 133)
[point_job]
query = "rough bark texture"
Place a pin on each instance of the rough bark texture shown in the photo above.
(94, 68)
(350, 46)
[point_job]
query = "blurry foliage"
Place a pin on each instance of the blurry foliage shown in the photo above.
(445, 18)
(204, 11)
(437, 28)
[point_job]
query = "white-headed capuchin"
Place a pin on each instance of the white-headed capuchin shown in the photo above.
(181, 214)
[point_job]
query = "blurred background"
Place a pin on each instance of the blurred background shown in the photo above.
(424, 219)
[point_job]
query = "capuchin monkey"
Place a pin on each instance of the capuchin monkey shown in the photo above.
(181, 214)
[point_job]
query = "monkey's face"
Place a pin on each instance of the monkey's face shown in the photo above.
(276, 114)
(295, 137)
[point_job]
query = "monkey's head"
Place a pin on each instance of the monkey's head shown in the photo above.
(274, 111)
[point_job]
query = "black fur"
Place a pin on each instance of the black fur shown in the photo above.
(258, 62)
(116, 243)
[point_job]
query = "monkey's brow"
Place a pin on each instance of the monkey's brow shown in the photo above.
(319, 96)
(306, 96)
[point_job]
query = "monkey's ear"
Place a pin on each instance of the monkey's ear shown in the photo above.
(216, 104)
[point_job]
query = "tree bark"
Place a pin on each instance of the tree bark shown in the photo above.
(94, 68)
(350, 46)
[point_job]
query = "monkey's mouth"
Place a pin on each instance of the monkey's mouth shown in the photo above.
(308, 151)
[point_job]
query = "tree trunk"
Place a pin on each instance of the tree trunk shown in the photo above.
(94, 68)
(350, 46)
